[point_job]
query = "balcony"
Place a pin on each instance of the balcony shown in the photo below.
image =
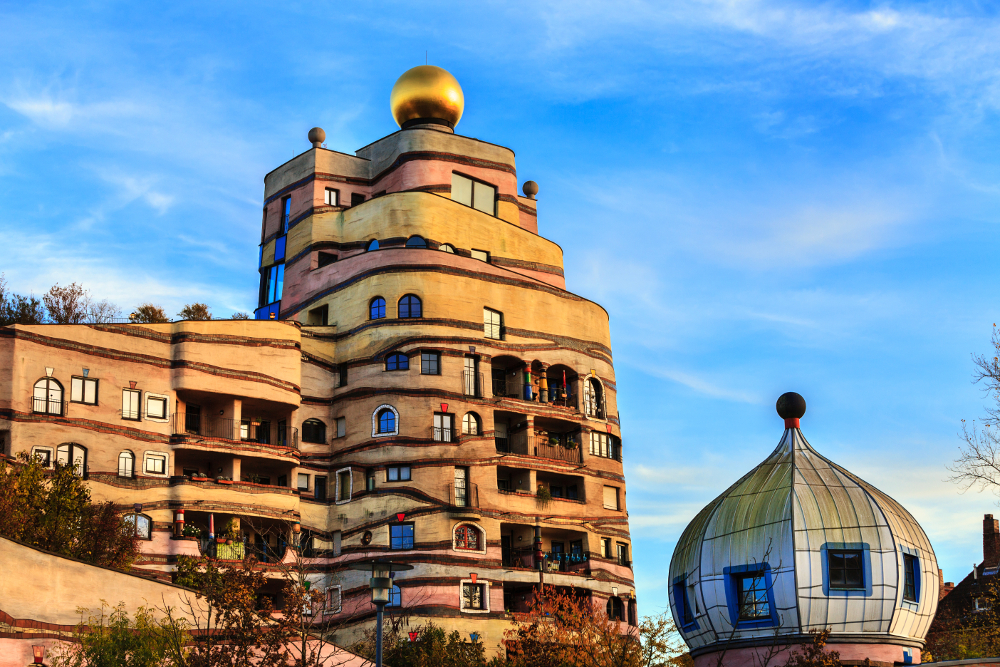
(562, 550)
(241, 550)
(41, 405)
(252, 430)
(472, 384)
(560, 447)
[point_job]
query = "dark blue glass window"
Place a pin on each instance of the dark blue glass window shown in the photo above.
(386, 421)
(846, 568)
(401, 536)
(286, 213)
(409, 306)
(416, 242)
(372, 245)
(395, 597)
(751, 595)
(279, 248)
(397, 362)
(910, 578)
(276, 283)
(376, 309)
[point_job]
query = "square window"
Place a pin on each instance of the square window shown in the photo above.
(344, 485)
(319, 487)
(910, 570)
(333, 600)
(751, 596)
(623, 555)
(279, 248)
(156, 464)
(846, 567)
(357, 198)
(303, 482)
(44, 454)
(611, 498)
(430, 363)
(131, 404)
(474, 596)
(83, 390)
(331, 197)
(401, 536)
(325, 259)
(493, 324)
(156, 407)
(606, 547)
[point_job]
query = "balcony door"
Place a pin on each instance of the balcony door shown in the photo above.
(461, 487)
(192, 419)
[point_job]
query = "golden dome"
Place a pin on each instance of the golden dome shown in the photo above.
(427, 92)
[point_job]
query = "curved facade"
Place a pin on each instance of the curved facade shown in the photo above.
(797, 545)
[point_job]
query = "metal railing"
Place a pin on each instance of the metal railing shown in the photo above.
(48, 406)
(444, 434)
(511, 386)
(561, 397)
(259, 431)
(559, 561)
(462, 497)
(472, 384)
(543, 447)
(240, 550)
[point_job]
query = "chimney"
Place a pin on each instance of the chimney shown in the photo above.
(991, 541)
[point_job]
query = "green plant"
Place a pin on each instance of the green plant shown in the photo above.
(190, 530)
(543, 494)
(112, 638)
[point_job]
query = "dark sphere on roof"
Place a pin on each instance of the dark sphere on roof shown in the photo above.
(791, 405)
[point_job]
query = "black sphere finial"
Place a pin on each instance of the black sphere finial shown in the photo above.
(791, 406)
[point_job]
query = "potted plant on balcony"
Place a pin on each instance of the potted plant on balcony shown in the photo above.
(191, 531)
(227, 533)
(222, 479)
(543, 495)
(199, 477)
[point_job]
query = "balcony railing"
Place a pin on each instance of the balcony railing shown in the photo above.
(462, 497)
(472, 384)
(47, 406)
(258, 431)
(510, 386)
(240, 550)
(542, 447)
(444, 434)
(557, 561)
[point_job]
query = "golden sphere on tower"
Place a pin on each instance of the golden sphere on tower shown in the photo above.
(427, 92)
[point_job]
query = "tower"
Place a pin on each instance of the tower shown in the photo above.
(458, 403)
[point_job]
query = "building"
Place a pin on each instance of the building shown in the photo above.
(800, 544)
(418, 384)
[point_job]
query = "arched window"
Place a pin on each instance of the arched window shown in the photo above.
(468, 538)
(593, 398)
(447, 247)
(386, 421)
(73, 454)
(395, 597)
(47, 397)
(372, 245)
(616, 610)
(141, 524)
(397, 362)
(416, 242)
(376, 309)
(410, 306)
(313, 430)
(126, 464)
(470, 424)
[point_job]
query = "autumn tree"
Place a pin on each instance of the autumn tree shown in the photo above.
(18, 309)
(67, 305)
(433, 647)
(111, 638)
(195, 311)
(52, 510)
(240, 316)
(148, 313)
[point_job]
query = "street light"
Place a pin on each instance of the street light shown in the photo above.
(381, 585)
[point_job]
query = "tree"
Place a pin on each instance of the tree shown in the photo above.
(978, 463)
(52, 510)
(967, 623)
(103, 312)
(195, 311)
(67, 305)
(432, 648)
(111, 639)
(240, 316)
(148, 313)
(814, 654)
(18, 309)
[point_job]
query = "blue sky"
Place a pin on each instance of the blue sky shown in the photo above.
(765, 195)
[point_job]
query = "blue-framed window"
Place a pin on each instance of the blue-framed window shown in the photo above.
(376, 309)
(279, 248)
(750, 596)
(911, 576)
(397, 362)
(847, 569)
(286, 213)
(683, 603)
(410, 306)
(401, 536)
(395, 597)
(272, 283)
(386, 421)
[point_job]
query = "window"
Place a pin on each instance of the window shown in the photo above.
(319, 487)
(481, 255)
(73, 454)
(397, 474)
(372, 245)
(401, 536)
(286, 213)
(605, 445)
(131, 403)
(395, 597)
(342, 375)
(142, 525)
(593, 398)
(409, 306)
(430, 363)
(910, 574)
(43, 454)
(47, 397)
(397, 362)
(331, 197)
(83, 390)
(611, 498)
(369, 480)
(416, 242)
(846, 568)
(470, 424)
(156, 406)
(623, 555)
(442, 427)
(468, 538)
(317, 317)
(472, 193)
(314, 431)
(386, 421)
(279, 248)
(606, 547)
(303, 484)
(357, 198)
(126, 464)
(333, 600)
(474, 596)
(376, 309)
(493, 324)
(616, 610)
(341, 427)
(683, 604)
(155, 463)
(344, 484)
(447, 247)
(325, 259)
(751, 596)
(272, 282)
(461, 487)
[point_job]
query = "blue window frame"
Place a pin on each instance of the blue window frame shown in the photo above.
(372, 245)
(376, 309)
(401, 536)
(397, 362)
(386, 421)
(410, 306)
(416, 242)
(395, 597)
(847, 569)
(911, 576)
(685, 611)
(750, 596)
(286, 213)
(279, 248)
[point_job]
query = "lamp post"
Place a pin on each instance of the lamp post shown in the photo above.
(381, 585)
